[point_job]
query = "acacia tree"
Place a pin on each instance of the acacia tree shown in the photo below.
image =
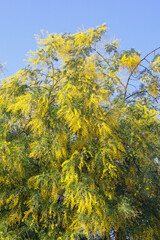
(79, 134)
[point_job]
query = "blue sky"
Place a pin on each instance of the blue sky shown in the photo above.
(136, 23)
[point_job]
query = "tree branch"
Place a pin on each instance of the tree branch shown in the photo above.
(107, 64)
(143, 91)
(144, 58)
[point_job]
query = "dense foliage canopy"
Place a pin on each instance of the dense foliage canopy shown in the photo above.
(80, 142)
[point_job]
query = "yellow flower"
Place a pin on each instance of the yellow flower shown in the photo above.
(130, 62)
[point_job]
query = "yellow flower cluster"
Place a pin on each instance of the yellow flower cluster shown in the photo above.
(156, 65)
(130, 62)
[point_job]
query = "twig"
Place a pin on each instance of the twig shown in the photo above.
(144, 58)
(143, 91)
(147, 61)
(28, 235)
(107, 63)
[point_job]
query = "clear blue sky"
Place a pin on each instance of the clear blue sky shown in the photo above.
(135, 22)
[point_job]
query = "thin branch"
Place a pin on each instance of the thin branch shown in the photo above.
(52, 80)
(135, 79)
(144, 58)
(147, 70)
(107, 64)
(132, 86)
(52, 69)
(147, 61)
(24, 230)
(54, 86)
(28, 235)
(143, 91)
(143, 66)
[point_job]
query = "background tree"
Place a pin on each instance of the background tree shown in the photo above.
(80, 142)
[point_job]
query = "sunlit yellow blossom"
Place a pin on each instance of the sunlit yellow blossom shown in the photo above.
(130, 62)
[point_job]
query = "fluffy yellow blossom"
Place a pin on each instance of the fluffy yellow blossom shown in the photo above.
(130, 62)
